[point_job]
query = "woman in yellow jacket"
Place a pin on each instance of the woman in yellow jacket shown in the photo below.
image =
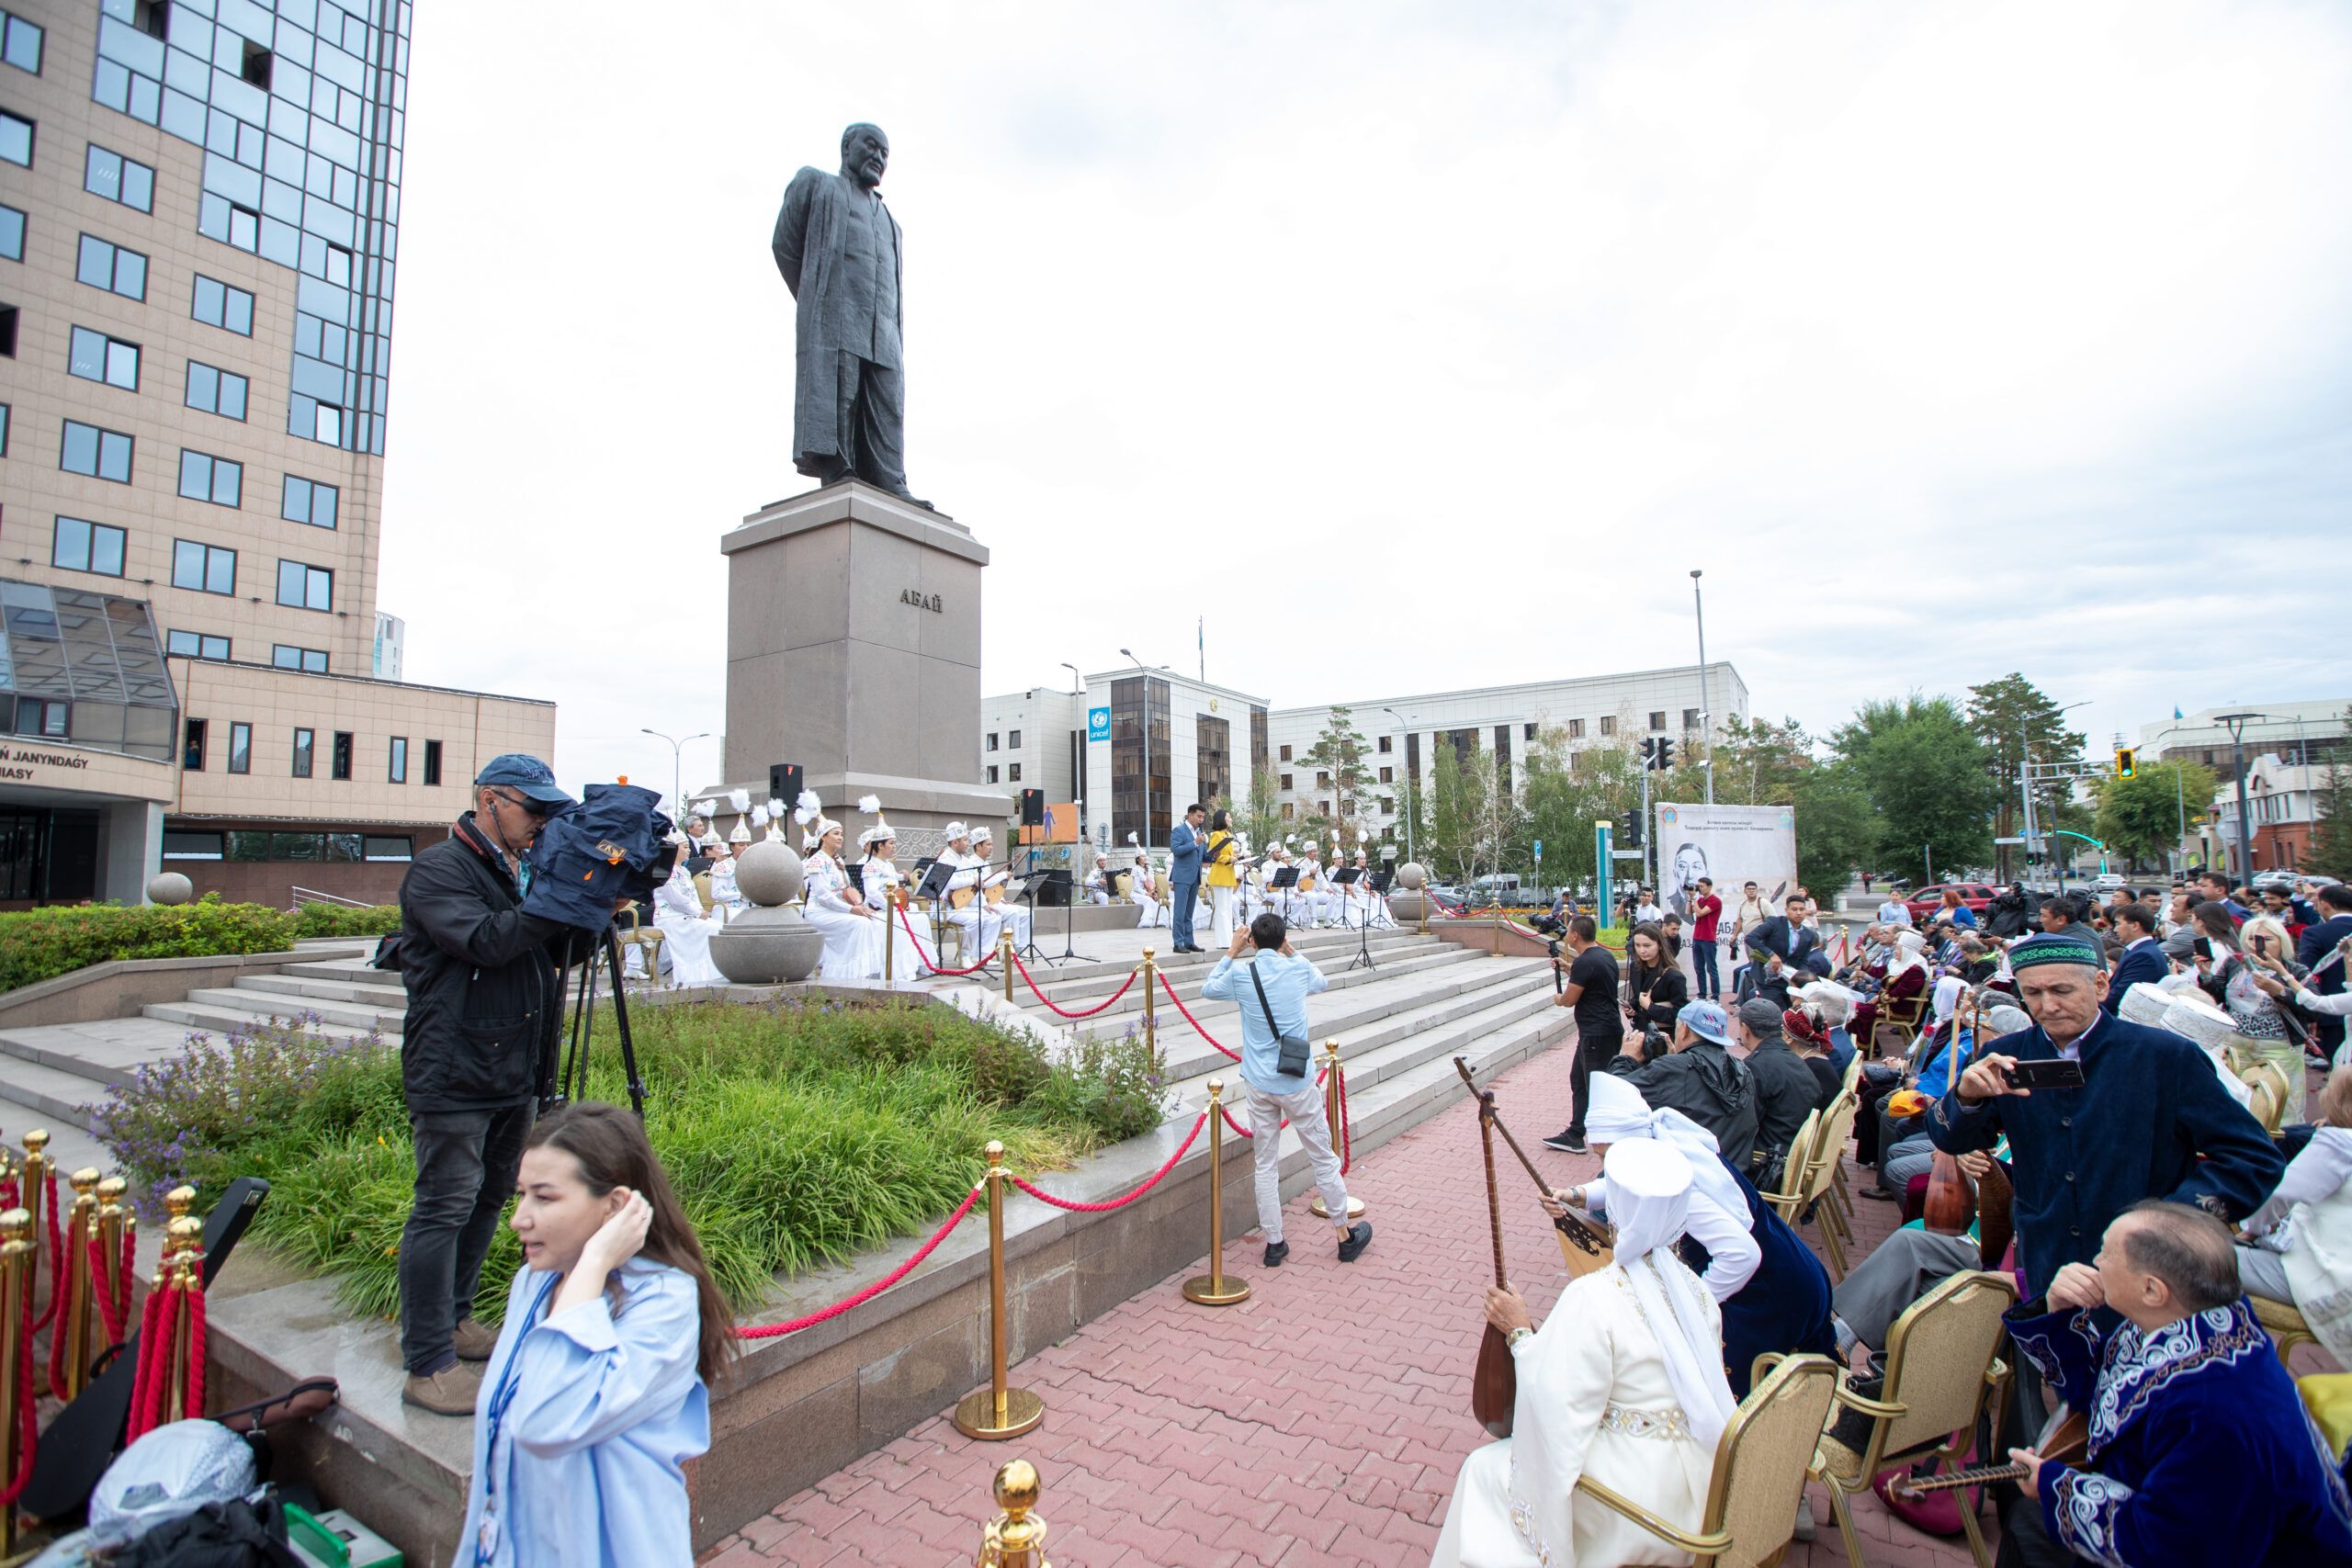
(1219, 861)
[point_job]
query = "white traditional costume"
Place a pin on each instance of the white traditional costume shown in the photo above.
(1140, 894)
(972, 919)
(1098, 881)
(1624, 1382)
(686, 929)
(876, 879)
(852, 942)
(1010, 915)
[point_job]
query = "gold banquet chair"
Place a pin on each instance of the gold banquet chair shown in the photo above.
(2268, 1082)
(645, 938)
(1897, 1019)
(1940, 1371)
(2284, 1322)
(1759, 1474)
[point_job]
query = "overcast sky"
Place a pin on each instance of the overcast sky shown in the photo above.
(1414, 347)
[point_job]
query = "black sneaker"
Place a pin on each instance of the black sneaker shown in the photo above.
(1275, 1252)
(1566, 1143)
(1359, 1236)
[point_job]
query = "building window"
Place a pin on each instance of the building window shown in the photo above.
(1387, 776)
(1286, 783)
(220, 305)
(39, 715)
(1657, 722)
(305, 587)
(193, 645)
(118, 178)
(327, 424)
(1527, 732)
(100, 453)
(310, 660)
(306, 500)
(992, 772)
(342, 768)
(385, 849)
(1384, 746)
(1286, 755)
(20, 43)
(1690, 718)
(8, 332)
(991, 739)
(1013, 772)
(215, 480)
(256, 66)
(305, 740)
(178, 845)
(432, 763)
(396, 770)
(214, 390)
(192, 750)
(1322, 779)
(12, 234)
(1576, 730)
(105, 265)
(1608, 725)
(16, 138)
(98, 358)
(4, 430)
(1290, 811)
(1012, 743)
(337, 266)
(231, 222)
(79, 546)
(240, 746)
(207, 569)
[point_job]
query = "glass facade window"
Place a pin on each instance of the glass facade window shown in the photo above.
(312, 660)
(43, 715)
(206, 569)
(391, 849)
(127, 180)
(219, 304)
(304, 587)
(215, 480)
(343, 738)
(307, 501)
(432, 763)
(8, 332)
(20, 42)
(192, 749)
(80, 546)
(98, 358)
(304, 741)
(215, 391)
(396, 765)
(197, 645)
(99, 453)
(241, 748)
(102, 263)
(179, 844)
(12, 234)
(1139, 706)
(85, 667)
(16, 138)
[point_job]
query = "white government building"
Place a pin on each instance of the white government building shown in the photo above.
(1089, 744)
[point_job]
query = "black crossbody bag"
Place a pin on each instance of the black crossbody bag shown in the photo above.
(1292, 1061)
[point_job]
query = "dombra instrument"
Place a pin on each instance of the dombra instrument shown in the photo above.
(1951, 1201)
(959, 898)
(2066, 1437)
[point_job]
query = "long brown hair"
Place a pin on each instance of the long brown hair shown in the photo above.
(610, 1147)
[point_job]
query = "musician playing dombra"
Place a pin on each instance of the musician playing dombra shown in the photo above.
(2200, 1449)
(1623, 1383)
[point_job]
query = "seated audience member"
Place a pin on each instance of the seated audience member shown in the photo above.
(2201, 1451)
(1905, 1149)
(1906, 980)
(1784, 1085)
(1698, 1076)
(1809, 1038)
(2298, 1245)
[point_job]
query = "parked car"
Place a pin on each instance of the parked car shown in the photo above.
(1924, 904)
(2107, 880)
(2289, 879)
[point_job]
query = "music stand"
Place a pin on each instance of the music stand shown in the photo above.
(934, 875)
(1348, 878)
(1284, 880)
(1031, 885)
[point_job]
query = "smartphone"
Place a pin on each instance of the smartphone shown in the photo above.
(2261, 946)
(2204, 947)
(2058, 1073)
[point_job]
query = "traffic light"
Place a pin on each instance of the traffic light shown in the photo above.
(1665, 753)
(2127, 762)
(1629, 830)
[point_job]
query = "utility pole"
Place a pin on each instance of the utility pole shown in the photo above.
(677, 766)
(1706, 709)
(1146, 746)
(2236, 723)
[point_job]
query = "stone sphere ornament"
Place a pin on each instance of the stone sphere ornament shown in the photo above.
(1411, 877)
(769, 873)
(169, 887)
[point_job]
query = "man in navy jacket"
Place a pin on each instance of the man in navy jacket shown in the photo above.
(2335, 901)
(2144, 957)
(1184, 847)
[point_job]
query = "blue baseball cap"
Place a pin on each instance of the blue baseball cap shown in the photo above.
(520, 771)
(1707, 1021)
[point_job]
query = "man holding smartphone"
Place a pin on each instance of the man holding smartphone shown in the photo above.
(2100, 1113)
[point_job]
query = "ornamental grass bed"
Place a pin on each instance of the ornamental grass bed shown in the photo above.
(795, 1133)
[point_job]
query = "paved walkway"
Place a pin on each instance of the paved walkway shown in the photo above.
(1320, 1423)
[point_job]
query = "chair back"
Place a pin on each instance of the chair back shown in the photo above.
(1829, 1147)
(702, 889)
(1853, 1080)
(1796, 1170)
(1938, 1354)
(1762, 1456)
(2268, 1099)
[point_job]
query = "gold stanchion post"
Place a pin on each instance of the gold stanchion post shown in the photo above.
(1016, 1536)
(113, 1219)
(1005, 956)
(997, 1412)
(893, 900)
(72, 1317)
(1150, 985)
(34, 1184)
(189, 1259)
(18, 1255)
(1216, 1288)
(1331, 1095)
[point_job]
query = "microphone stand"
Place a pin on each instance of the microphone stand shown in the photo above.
(1363, 927)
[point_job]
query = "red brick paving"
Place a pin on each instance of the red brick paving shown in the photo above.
(1317, 1425)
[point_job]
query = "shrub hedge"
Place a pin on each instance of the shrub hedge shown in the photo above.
(337, 920)
(38, 944)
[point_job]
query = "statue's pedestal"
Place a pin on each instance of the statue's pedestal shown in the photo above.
(854, 649)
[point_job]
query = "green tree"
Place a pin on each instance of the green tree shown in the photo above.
(2330, 850)
(1261, 821)
(1339, 754)
(1926, 778)
(1758, 762)
(2140, 818)
(1836, 826)
(1457, 809)
(2013, 719)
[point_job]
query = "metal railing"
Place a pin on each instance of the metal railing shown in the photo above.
(302, 896)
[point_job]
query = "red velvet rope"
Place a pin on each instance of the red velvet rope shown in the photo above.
(59, 1330)
(926, 957)
(1196, 1023)
(1149, 1182)
(28, 1430)
(776, 1330)
(192, 1302)
(1065, 1012)
(56, 1257)
(1346, 1129)
(113, 1315)
(153, 1342)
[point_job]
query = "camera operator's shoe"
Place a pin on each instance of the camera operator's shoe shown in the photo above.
(1359, 1236)
(473, 1342)
(1567, 1143)
(452, 1390)
(1276, 1251)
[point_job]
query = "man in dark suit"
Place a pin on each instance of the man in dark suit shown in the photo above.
(1785, 935)
(2144, 958)
(2335, 901)
(1184, 846)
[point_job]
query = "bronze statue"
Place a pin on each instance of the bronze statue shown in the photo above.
(838, 248)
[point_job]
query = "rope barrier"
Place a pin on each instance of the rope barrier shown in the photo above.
(925, 957)
(56, 1259)
(1246, 1133)
(1149, 1182)
(1085, 1012)
(1346, 1129)
(776, 1330)
(1196, 1023)
(114, 1314)
(158, 1326)
(193, 1305)
(28, 1424)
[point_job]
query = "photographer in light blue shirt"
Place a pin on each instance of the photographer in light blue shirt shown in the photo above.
(1272, 990)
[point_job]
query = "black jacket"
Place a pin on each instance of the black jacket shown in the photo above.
(2008, 915)
(484, 996)
(1704, 1083)
(1785, 1090)
(1668, 987)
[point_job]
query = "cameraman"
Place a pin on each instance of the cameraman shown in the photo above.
(484, 996)
(1698, 1078)
(1591, 993)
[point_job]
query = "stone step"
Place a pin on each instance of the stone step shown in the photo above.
(220, 1017)
(353, 972)
(1393, 971)
(282, 1004)
(70, 1142)
(1360, 1021)
(1320, 945)
(50, 1093)
(376, 995)
(1065, 988)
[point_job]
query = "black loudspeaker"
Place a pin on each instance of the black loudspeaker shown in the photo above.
(1033, 808)
(783, 783)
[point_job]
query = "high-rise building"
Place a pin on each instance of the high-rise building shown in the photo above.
(199, 215)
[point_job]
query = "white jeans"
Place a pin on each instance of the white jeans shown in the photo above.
(1304, 1110)
(1221, 915)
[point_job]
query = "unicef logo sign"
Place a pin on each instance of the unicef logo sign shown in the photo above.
(1098, 724)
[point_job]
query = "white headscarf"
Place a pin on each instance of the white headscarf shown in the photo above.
(1948, 990)
(1615, 1112)
(1907, 948)
(1650, 1199)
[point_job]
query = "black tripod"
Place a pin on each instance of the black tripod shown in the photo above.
(561, 1084)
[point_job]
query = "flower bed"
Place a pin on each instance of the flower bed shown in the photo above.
(797, 1134)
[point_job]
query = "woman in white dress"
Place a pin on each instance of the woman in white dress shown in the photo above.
(876, 878)
(1624, 1382)
(1139, 894)
(686, 929)
(852, 942)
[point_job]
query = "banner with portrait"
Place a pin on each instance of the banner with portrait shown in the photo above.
(1733, 845)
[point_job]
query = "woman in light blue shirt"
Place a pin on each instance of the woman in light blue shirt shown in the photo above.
(598, 1390)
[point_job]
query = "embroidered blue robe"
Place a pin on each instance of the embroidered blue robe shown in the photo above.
(2201, 1453)
(2149, 1107)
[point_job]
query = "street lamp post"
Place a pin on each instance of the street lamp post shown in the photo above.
(1706, 709)
(1078, 758)
(1146, 746)
(1412, 791)
(2179, 804)
(2236, 723)
(677, 764)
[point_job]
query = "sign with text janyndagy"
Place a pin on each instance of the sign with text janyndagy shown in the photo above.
(23, 764)
(1098, 724)
(1733, 845)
